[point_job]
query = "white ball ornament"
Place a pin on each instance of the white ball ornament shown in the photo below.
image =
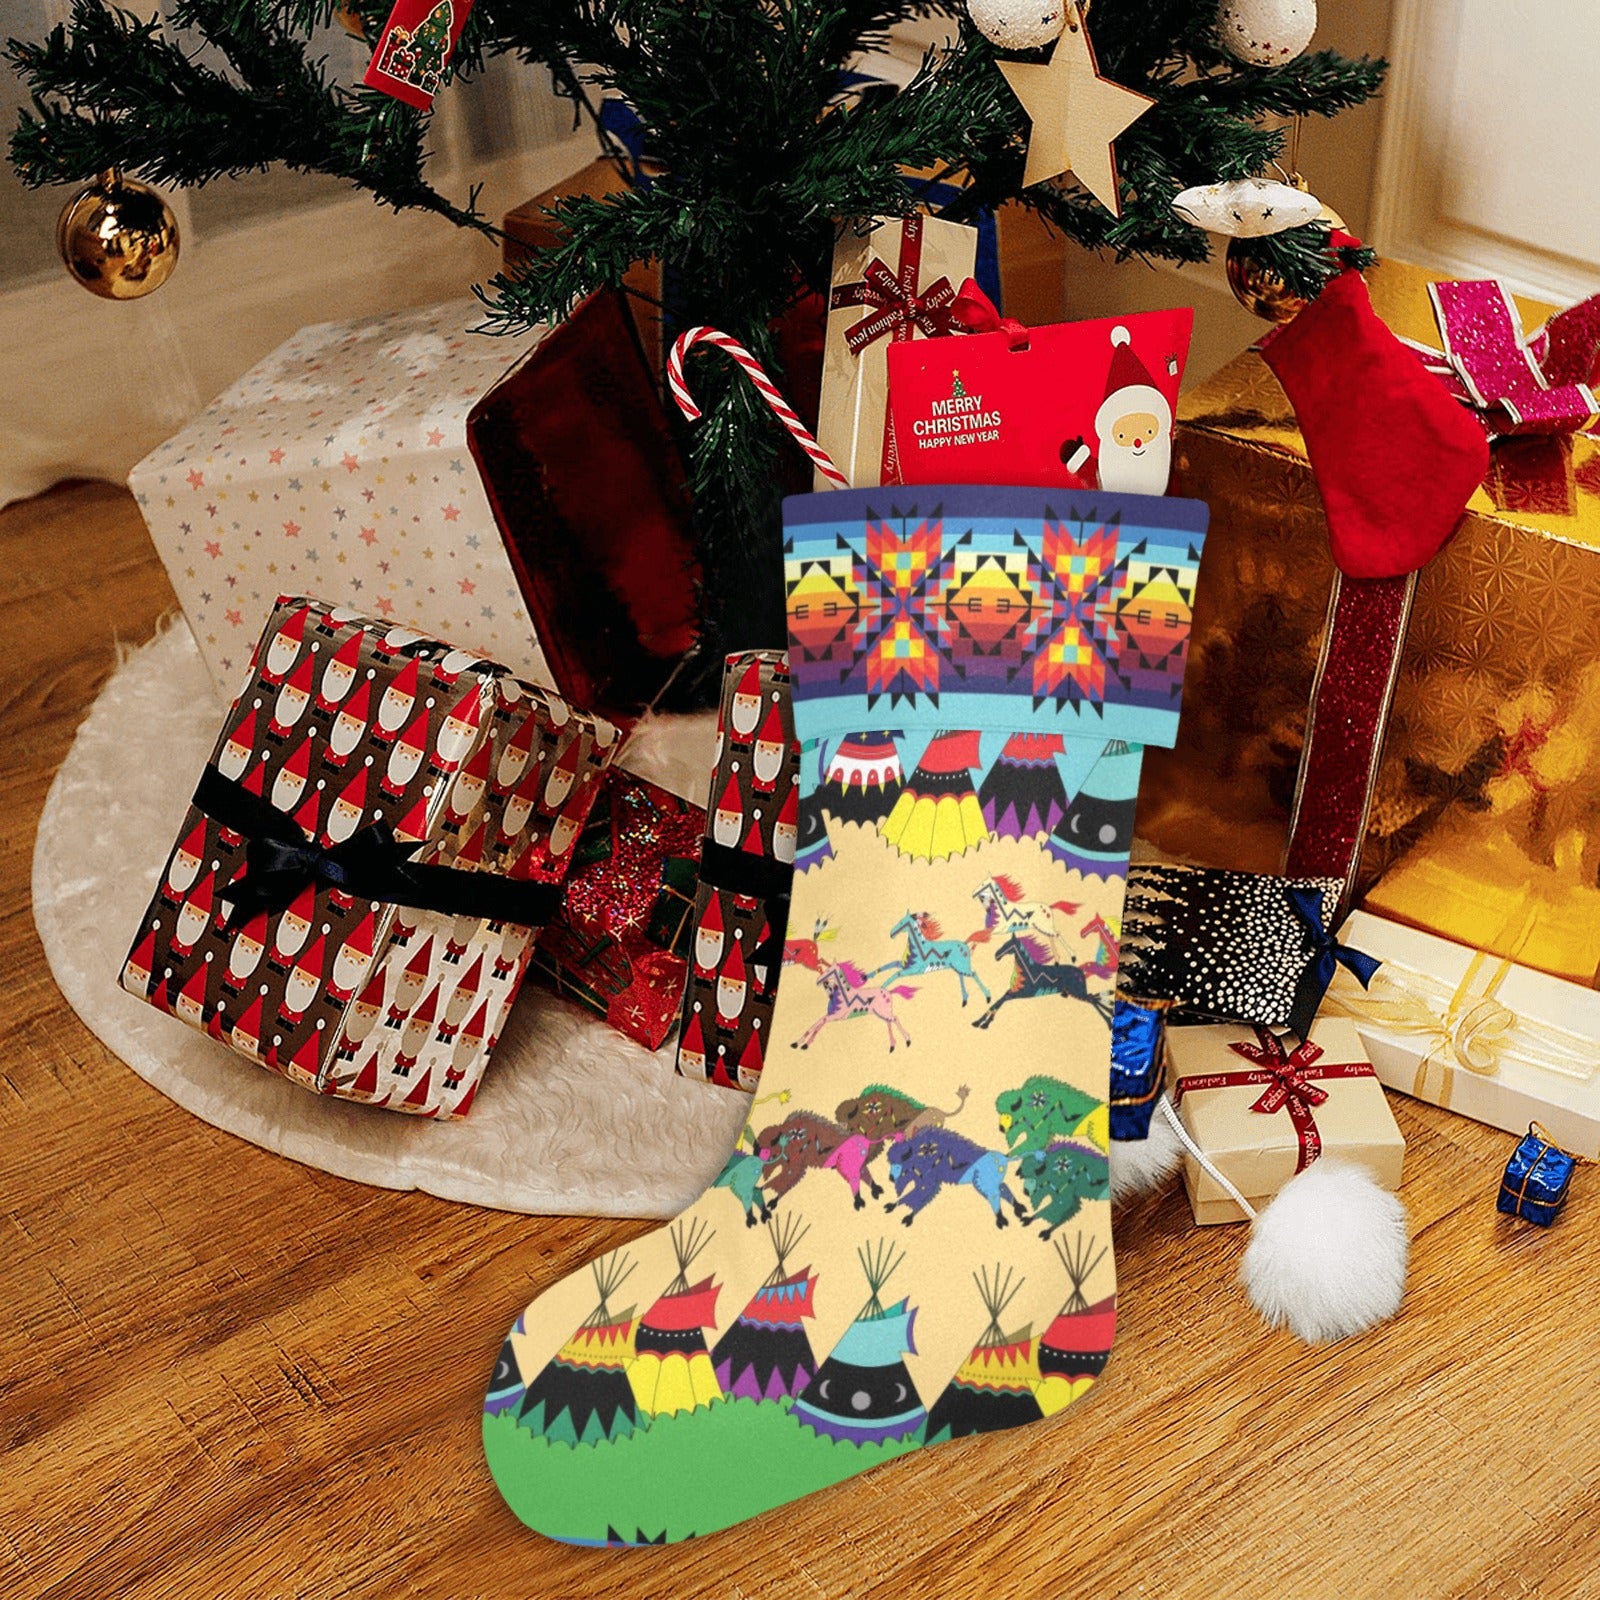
(1018, 24)
(1266, 33)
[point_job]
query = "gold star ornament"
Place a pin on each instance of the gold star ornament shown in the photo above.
(1076, 114)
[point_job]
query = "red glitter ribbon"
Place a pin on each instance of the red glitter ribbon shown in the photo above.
(1350, 699)
(1290, 1084)
(1515, 384)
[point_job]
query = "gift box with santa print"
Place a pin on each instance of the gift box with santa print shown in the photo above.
(347, 461)
(1264, 1106)
(1082, 405)
(746, 869)
(894, 281)
(1484, 822)
(619, 945)
(353, 895)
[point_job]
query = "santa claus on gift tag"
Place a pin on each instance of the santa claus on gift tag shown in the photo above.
(1133, 430)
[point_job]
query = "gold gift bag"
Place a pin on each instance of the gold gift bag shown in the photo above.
(1485, 823)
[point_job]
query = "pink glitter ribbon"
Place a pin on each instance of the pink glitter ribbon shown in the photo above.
(1515, 384)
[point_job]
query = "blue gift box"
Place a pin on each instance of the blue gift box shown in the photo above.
(1536, 1179)
(1138, 1031)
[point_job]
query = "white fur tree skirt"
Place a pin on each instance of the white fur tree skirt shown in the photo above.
(571, 1117)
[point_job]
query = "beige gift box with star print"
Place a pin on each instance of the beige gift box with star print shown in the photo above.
(346, 464)
(1485, 825)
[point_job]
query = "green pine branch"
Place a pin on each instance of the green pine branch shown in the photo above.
(757, 151)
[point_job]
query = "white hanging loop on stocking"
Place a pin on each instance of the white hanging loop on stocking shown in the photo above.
(765, 387)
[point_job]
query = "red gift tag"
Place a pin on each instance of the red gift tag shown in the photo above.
(414, 49)
(1082, 405)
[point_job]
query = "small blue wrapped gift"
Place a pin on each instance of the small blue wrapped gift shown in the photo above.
(1138, 1033)
(1536, 1179)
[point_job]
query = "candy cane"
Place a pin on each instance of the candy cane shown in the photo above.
(764, 385)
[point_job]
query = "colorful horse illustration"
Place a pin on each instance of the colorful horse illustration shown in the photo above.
(1104, 964)
(851, 993)
(1058, 1179)
(807, 953)
(1036, 974)
(805, 1142)
(1006, 912)
(927, 950)
(741, 1176)
(925, 1164)
(882, 1112)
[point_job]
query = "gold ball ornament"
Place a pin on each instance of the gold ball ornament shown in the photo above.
(118, 238)
(1260, 290)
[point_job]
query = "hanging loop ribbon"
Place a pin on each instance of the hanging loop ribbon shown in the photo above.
(1515, 384)
(764, 385)
(372, 864)
(974, 312)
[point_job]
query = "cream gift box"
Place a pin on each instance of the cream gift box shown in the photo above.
(339, 466)
(1262, 1107)
(894, 278)
(1496, 1042)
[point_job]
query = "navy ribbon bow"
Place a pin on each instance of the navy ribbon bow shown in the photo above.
(1327, 956)
(372, 864)
(757, 878)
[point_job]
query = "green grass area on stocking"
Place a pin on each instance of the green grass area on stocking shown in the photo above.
(691, 1473)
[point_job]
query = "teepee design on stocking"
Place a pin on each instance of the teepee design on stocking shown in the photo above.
(583, 1395)
(995, 1386)
(767, 1354)
(1074, 1348)
(863, 1392)
(672, 1369)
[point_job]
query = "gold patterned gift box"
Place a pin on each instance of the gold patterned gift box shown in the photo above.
(1475, 1033)
(1264, 1106)
(1485, 825)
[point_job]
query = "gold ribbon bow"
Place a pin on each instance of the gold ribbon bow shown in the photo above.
(1465, 1028)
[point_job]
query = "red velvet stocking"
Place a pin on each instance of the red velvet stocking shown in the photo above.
(1396, 458)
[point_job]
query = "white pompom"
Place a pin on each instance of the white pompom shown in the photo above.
(1140, 1165)
(1266, 33)
(1328, 1257)
(1120, 336)
(1018, 24)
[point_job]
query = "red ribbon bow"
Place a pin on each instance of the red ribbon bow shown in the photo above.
(900, 311)
(974, 312)
(1287, 1078)
(1514, 383)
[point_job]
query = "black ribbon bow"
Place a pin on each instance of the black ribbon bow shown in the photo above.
(757, 878)
(372, 864)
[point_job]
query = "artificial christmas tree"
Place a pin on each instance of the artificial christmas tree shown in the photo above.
(762, 137)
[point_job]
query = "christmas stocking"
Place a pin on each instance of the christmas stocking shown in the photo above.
(1396, 458)
(911, 1241)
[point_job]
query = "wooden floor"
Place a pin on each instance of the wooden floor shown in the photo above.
(227, 1375)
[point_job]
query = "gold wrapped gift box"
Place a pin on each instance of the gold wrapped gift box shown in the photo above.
(1485, 825)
